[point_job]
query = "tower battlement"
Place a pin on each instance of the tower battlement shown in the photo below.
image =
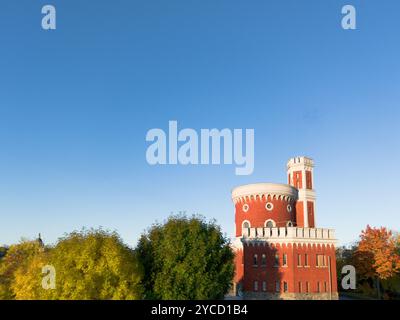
(290, 233)
(299, 161)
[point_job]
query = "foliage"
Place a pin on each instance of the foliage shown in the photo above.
(3, 251)
(92, 264)
(376, 259)
(186, 258)
(378, 250)
(17, 256)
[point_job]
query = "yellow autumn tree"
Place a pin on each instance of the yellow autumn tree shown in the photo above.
(92, 264)
(27, 282)
(18, 257)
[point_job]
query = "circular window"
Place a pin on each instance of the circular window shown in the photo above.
(245, 207)
(269, 206)
(289, 208)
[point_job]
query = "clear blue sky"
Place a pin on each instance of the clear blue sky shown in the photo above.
(76, 104)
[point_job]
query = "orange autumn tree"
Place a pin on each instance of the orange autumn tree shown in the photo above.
(381, 246)
(379, 254)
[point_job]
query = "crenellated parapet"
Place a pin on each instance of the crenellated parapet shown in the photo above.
(289, 234)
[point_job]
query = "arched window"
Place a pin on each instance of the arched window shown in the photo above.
(276, 262)
(285, 259)
(263, 260)
(246, 224)
(255, 286)
(289, 224)
(269, 223)
(255, 260)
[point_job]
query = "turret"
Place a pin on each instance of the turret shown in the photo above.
(300, 176)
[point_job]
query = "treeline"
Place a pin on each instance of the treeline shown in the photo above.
(376, 259)
(184, 258)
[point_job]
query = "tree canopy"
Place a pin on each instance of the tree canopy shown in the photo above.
(92, 264)
(186, 258)
(376, 258)
(378, 246)
(16, 257)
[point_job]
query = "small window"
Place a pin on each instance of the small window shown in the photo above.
(263, 260)
(306, 260)
(289, 224)
(307, 287)
(255, 285)
(325, 286)
(245, 207)
(289, 208)
(277, 286)
(255, 260)
(318, 288)
(285, 259)
(276, 262)
(320, 261)
(300, 287)
(269, 206)
(285, 286)
(269, 223)
(246, 225)
(264, 286)
(299, 260)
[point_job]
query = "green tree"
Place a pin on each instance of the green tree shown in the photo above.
(186, 258)
(92, 264)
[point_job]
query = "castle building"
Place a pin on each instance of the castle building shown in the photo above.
(280, 253)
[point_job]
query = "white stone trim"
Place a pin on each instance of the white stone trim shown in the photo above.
(274, 190)
(305, 213)
(281, 242)
(300, 162)
(288, 235)
(237, 243)
(306, 194)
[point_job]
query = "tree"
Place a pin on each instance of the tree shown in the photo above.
(3, 251)
(186, 258)
(92, 264)
(16, 257)
(377, 254)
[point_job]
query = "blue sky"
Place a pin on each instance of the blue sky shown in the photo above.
(76, 104)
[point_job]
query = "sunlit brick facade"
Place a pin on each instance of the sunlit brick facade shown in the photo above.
(280, 254)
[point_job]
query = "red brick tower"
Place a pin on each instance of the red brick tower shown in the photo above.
(279, 252)
(300, 176)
